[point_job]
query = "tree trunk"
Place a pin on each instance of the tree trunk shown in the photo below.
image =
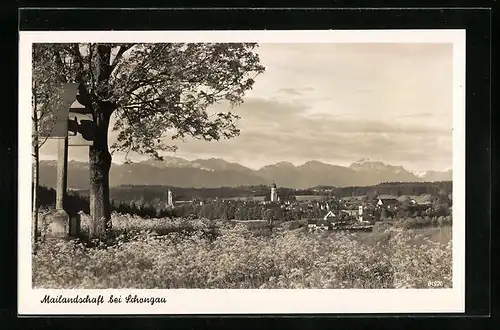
(35, 179)
(99, 165)
(99, 156)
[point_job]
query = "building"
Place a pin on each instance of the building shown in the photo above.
(170, 198)
(354, 199)
(350, 212)
(310, 198)
(274, 193)
(424, 200)
(313, 225)
(387, 201)
(180, 203)
(245, 199)
(404, 199)
(329, 216)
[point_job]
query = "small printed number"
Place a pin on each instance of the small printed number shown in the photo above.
(435, 284)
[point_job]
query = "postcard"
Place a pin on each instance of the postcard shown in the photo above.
(241, 172)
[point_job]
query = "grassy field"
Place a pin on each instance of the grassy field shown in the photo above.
(165, 253)
(421, 236)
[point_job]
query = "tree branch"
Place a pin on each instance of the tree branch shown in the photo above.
(118, 56)
(104, 55)
(143, 102)
(60, 64)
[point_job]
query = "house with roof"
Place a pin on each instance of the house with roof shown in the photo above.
(245, 198)
(185, 202)
(350, 212)
(404, 198)
(314, 225)
(422, 200)
(330, 216)
(388, 201)
(310, 198)
(354, 199)
(352, 202)
(311, 224)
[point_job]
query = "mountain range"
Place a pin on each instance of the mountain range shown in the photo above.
(215, 172)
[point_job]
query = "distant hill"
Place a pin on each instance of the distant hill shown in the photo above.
(214, 173)
(437, 176)
(158, 193)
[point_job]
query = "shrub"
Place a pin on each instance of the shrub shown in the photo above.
(178, 253)
(425, 222)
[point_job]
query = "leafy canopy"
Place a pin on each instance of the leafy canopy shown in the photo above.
(159, 92)
(46, 84)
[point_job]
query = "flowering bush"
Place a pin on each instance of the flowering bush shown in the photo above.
(424, 222)
(178, 253)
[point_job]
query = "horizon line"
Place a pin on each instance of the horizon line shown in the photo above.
(261, 185)
(295, 164)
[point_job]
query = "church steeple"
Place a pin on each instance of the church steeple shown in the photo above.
(170, 199)
(274, 193)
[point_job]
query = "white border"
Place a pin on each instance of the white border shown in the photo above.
(186, 301)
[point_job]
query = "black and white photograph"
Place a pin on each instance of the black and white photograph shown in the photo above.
(292, 161)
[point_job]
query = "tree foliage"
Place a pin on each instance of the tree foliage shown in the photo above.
(46, 84)
(159, 92)
(156, 93)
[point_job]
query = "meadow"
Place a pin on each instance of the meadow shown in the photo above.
(184, 253)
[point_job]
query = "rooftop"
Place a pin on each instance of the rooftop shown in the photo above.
(387, 197)
(354, 198)
(423, 199)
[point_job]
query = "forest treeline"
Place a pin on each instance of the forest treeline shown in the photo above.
(150, 201)
(150, 193)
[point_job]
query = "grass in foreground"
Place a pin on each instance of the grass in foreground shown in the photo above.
(237, 258)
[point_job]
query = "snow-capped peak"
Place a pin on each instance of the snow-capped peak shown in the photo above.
(368, 164)
(420, 174)
(363, 161)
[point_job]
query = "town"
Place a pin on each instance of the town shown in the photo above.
(321, 211)
(158, 165)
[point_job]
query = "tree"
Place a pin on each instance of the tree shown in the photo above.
(154, 92)
(254, 212)
(405, 209)
(297, 213)
(45, 85)
(269, 216)
(242, 212)
(278, 214)
(207, 211)
(230, 212)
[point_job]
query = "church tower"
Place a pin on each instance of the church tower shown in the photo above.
(274, 193)
(170, 199)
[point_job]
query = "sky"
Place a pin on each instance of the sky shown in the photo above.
(336, 103)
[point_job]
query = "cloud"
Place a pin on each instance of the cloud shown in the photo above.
(289, 91)
(284, 117)
(422, 115)
(275, 131)
(339, 103)
(295, 91)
